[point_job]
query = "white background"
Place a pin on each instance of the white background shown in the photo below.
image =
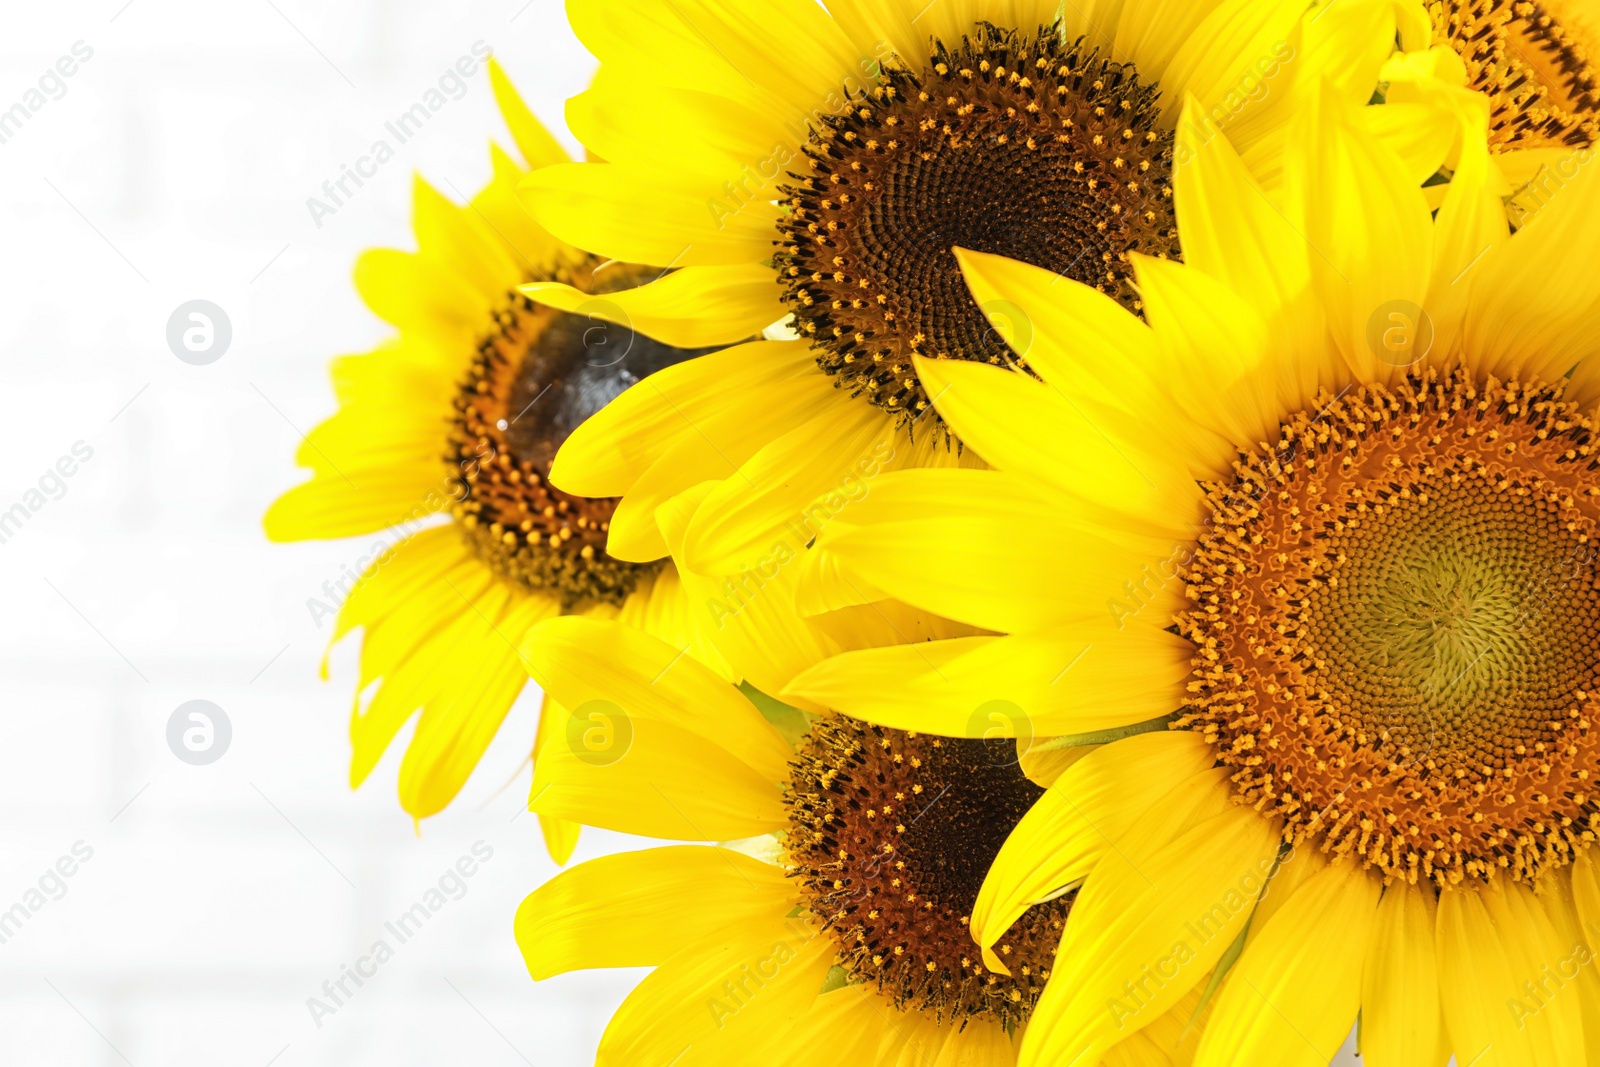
(177, 166)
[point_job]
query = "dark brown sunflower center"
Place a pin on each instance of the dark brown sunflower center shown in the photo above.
(891, 834)
(1397, 616)
(1025, 147)
(538, 376)
(1532, 59)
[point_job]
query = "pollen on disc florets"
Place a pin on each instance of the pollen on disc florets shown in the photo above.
(890, 836)
(1532, 58)
(536, 376)
(1023, 146)
(1397, 622)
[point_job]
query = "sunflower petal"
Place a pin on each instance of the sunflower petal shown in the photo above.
(1400, 983)
(646, 215)
(689, 308)
(1371, 232)
(1024, 426)
(538, 147)
(701, 398)
(683, 1013)
(1054, 682)
(1162, 914)
(1087, 811)
(638, 909)
(582, 662)
(930, 538)
(1295, 991)
(1482, 963)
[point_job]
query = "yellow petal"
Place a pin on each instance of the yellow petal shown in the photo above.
(703, 397)
(1422, 135)
(1227, 61)
(845, 445)
(1024, 426)
(418, 294)
(1586, 893)
(460, 241)
(1150, 33)
(1053, 682)
(1371, 232)
(1534, 309)
(741, 150)
(469, 694)
(1576, 966)
(1342, 45)
(1074, 336)
(665, 610)
(1232, 231)
(790, 48)
(1222, 370)
(851, 1023)
(560, 836)
(644, 776)
(1160, 916)
(1482, 963)
(930, 538)
(582, 662)
(655, 42)
(1295, 991)
(979, 1044)
(683, 1013)
(1087, 811)
(359, 500)
(642, 215)
(876, 25)
(638, 909)
(689, 308)
(1471, 223)
(750, 619)
(538, 147)
(1400, 983)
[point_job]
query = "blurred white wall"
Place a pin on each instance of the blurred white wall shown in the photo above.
(173, 164)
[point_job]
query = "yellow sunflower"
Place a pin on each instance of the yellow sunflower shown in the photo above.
(457, 419)
(1533, 60)
(819, 164)
(834, 928)
(1311, 548)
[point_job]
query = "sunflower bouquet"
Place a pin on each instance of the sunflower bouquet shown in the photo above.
(1074, 527)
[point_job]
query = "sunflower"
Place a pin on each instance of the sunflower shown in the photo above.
(1310, 549)
(459, 417)
(1532, 61)
(835, 925)
(813, 168)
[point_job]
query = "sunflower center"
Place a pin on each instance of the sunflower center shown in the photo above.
(1021, 146)
(1397, 621)
(891, 834)
(536, 377)
(1532, 59)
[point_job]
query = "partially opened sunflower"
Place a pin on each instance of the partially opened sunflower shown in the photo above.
(1534, 61)
(819, 162)
(1312, 547)
(459, 416)
(835, 927)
